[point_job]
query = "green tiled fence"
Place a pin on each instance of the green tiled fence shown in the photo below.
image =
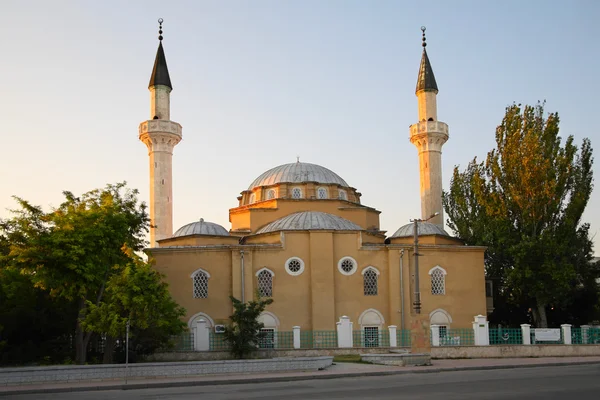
(183, 342)
(403, 337)
(506, 336)
(585, 335)
(318, 339)
(457, 337)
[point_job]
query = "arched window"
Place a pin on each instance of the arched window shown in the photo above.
(265, 282)
(296, 193)
(322, 193)
(370, 278)
(200, 284)
(342, 195)
(252, 198)
(271, 194)
(438, 280)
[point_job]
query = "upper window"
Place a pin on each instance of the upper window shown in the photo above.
(342, 195)
(265, 282)
(294, 266)
(252, 198)
(296, 193)
(200, 284)
(438, 280)
(347, 265)
(370, 278)
(271, 194)
(322, 193)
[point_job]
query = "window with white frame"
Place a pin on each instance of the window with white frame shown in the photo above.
(271, 194)
(252, 198)
(294, 266)
(347, 265)
(200, 284)
(296, 193)
(342, 195)
(265, 282)
(321, 193)
(370, 278)
(371, 336)
(267, 341)
(438, 281)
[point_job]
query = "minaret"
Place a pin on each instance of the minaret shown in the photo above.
(160, 135)
(429, 135)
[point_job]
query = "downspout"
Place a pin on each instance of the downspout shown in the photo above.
(243, 274)
(402, 289)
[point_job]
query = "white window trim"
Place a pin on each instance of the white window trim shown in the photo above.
(196, 272)
(265, 269)
(287, 263)
(370, 268)
(274, 194)
(301, 192)
(437, 267)
(326, 192)
(344, 197)
(364, 313)
(192, 321)
(252, 199)
(444, 274)
(353, 269)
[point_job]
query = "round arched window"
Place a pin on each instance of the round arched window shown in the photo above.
(342, 195)
(296, 193)
(347, 265)
(252, 198)
(321, 193)
(271, 194)
(294, 266)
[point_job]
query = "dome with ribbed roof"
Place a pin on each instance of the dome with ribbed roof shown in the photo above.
(201, 227)
(424, 229)
(310, 220)
(296, 173)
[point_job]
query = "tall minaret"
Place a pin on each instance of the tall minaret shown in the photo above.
(429, 135)
(161, 135)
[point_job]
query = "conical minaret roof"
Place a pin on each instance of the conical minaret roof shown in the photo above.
(160, 72)
(426, 79)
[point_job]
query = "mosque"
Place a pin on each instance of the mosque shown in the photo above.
(301, 235)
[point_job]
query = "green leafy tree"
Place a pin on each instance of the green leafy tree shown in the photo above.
(525, 203)
(243, 334)
(137, 294)
(72, 251)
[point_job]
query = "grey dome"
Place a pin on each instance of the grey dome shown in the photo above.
(424, 228)
(310, 220)
(297, 172)
(201, 227)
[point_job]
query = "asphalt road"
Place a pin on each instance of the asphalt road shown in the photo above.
(522, 383)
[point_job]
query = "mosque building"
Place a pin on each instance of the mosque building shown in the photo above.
(301, 235)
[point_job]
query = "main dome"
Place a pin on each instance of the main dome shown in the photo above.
(310, 220)
(297, 172)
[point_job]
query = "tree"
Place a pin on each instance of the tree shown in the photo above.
(244, 332)
(137, 294)
(72, 251)
(525, 203)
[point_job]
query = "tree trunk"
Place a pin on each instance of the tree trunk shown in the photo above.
(541, 321)
(109, 350)
(80, 352)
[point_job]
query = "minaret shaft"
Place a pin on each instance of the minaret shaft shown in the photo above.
(427, 106)
(160, 102)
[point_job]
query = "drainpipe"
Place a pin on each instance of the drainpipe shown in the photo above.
(402, 289)
(243, 276)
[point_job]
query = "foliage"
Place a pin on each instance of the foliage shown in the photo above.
(244, 332)
(71, 252)
(525, 204)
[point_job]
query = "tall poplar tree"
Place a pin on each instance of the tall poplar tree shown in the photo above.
(525, 203)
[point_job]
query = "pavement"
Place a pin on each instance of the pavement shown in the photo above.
(338, 370)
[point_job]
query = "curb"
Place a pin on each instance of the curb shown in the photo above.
(273, 379)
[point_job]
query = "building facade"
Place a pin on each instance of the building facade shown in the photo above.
(301, 235)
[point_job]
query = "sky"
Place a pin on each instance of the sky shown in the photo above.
(258, 83)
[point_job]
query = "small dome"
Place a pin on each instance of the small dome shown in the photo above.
(310, 220)
(298, 172)
(201, 228)
(424, 229)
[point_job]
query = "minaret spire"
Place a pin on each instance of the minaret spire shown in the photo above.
(160, 135)
(429, 135)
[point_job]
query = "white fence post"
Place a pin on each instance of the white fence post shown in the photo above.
(393, 339)
(202, 338)
(344, 332)
(435, 335)
(296, 330)
(566, 331)
(585, 334)
(526, 333)
(481, 331)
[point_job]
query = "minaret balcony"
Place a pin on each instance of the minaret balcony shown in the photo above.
(160, 126)
(429, 135)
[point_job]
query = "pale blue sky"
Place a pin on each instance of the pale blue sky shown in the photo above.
(258, 82)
